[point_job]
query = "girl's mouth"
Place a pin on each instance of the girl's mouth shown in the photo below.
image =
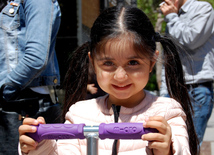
(122, 87)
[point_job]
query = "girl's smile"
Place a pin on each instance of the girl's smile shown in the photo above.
(122, 87)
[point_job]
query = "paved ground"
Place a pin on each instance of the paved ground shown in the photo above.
(207, 147)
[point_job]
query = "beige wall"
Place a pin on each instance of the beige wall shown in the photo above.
(90, 11)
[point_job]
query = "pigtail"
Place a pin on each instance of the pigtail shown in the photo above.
(76, 77)
(176, 87)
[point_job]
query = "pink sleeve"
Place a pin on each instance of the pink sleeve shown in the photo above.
(176, 117)
(180, 139)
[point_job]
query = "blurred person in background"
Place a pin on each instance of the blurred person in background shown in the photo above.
(191, 24)
(28, 65)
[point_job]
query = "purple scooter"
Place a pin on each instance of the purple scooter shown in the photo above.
(91, 133)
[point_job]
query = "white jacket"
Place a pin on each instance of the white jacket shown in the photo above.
(94, 112)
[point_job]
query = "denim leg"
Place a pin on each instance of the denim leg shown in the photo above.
(9, 135)
(202, 102)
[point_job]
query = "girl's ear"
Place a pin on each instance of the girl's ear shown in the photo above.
(91, 62)
(90, 59)
(154, 60)
(89, 55)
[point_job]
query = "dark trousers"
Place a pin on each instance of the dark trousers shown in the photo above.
(29, 104)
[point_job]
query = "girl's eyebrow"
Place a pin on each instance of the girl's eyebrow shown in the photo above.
(135, 57)
(109, 58)
(104, 58)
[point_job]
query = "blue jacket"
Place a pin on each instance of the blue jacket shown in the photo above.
(28, 30)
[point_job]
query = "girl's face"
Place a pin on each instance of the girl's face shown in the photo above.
(122, 73)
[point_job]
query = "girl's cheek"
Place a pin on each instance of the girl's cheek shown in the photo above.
(103, 75)
(104, 79)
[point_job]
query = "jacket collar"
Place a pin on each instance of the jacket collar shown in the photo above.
(186, 6)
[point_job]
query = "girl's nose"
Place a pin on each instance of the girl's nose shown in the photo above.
(120, 74)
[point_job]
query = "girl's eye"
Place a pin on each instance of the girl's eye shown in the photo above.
(108, 63)
(133, 62)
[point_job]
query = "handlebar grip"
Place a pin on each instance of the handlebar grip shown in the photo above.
(123, 130)
(58, 131)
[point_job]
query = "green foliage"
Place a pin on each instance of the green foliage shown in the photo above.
(210, 1)
(149, 7)
(152, 84)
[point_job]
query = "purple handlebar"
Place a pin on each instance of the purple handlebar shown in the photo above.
(123, 130)
(76, 131)
(58, 131)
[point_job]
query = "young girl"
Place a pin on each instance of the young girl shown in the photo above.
(123, 53)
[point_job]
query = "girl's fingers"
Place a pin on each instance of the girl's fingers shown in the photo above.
(30, 121)
(23, 139)
(27, 143)
(25, 148)
(159, 142)
(29, 125)
(41, 120)
(26, 128)
(157, 122)
(158, 145)
(153, 137)
(157, 125)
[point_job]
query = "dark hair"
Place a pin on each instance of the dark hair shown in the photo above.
(116, 22)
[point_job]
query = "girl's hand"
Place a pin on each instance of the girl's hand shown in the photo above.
(159, 142)
(91, 88)
(27, 143)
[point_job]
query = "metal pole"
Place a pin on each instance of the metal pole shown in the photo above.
(92, 144)
(92, 135)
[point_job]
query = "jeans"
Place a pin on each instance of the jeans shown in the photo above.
(11, 120)
(202, 102)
